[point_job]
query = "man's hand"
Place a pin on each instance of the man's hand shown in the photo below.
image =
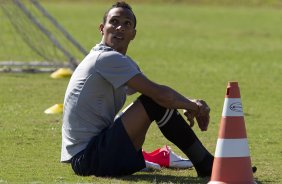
(202, 115)
(190, 115)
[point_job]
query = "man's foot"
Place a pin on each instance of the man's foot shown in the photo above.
(150, 166)
(204, 168)
(165, 157)
(176, 161)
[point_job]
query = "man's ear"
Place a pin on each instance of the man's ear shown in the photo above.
(134, 34)
(101, 29)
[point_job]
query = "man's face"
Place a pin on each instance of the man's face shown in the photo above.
(118, 29)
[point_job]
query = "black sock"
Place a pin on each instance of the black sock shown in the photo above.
(176, 130)
(180, 133)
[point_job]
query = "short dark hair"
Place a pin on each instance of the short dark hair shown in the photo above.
(120, 4)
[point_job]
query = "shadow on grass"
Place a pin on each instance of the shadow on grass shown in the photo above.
(160, 178)
(264, 181)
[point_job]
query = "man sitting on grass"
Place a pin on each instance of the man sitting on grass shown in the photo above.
(97, 143)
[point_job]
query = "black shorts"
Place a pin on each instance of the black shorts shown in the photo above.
(111, 153)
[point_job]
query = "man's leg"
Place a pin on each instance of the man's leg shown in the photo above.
(111, 154)
(136, 123)
(176, 130)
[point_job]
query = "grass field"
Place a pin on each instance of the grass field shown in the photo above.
(195, 49)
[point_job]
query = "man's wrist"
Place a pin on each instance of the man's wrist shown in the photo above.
(196, 106)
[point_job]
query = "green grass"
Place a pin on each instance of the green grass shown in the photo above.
(194, 49)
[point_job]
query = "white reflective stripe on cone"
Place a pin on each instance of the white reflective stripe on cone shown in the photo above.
(232, 107)
(232, 148)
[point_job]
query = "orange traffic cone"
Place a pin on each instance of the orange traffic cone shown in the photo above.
(232, 163)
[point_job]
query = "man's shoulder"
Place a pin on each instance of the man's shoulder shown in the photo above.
(108, 57)
(111, 53)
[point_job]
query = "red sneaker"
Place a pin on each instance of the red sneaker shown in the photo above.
(165, 157)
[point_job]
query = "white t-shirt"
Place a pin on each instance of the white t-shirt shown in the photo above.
(95, 94)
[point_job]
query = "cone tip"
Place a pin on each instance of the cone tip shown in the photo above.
(233, 83)
(232, 90)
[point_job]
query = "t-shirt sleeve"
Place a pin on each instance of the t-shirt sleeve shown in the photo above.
(116, 68)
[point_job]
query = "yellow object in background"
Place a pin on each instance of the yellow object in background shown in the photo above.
(55, 109)
(62, 73)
